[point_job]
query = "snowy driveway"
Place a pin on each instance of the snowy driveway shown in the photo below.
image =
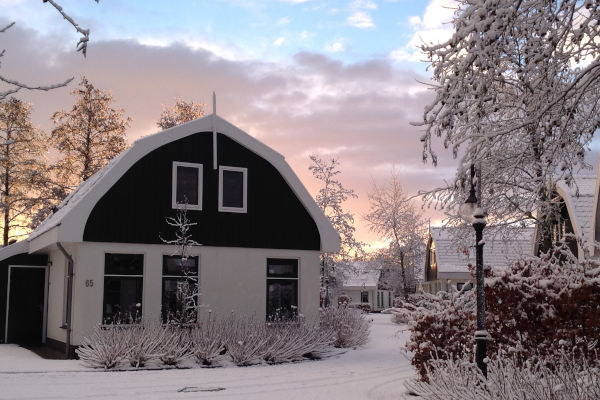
(373, 372)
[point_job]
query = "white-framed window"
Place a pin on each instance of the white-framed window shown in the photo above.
(180, 289)
(282, 289)
(123, 288)
(187, 186)
(233, 189)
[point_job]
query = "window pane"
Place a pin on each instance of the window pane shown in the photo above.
(187, 185)
(178, 300)
(284, 268)
(174, 265)
(282, 298)
(364, 297)
(233, 189)
(122, 300)
(123, 264)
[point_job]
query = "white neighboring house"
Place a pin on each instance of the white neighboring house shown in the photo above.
(578, 225)
(100, 258)
(362, 286)
(446, 261)
(579, 215)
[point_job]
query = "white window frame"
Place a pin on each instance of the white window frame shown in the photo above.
(243, 209)
(143, 276)
(297, 279)
(180, 206)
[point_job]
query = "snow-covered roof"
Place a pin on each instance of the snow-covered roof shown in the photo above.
(68, 222)
(579, 199)
(498, 252)
(13, 249)
(361, 274)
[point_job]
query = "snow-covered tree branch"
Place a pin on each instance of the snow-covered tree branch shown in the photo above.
(517, 91)
(330, 198)
(398, 223)
(180, 113)
(15, 85)
(187, 295)
(89, 135)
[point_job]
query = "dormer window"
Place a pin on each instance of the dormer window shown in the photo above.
(233, 190)
(187, 186)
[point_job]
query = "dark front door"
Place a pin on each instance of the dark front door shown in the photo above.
(26, 305)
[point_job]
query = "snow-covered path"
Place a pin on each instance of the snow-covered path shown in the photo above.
(376, 371)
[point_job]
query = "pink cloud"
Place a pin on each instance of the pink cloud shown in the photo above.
(359, 113)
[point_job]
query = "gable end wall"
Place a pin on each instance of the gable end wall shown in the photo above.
(134, 209)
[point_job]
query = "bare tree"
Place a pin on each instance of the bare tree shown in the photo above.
(516, 92)
(23, 168)
(394, 218)
(89, 135)
(330, 198)
(188, 288)
(15, 85)
(180, 113)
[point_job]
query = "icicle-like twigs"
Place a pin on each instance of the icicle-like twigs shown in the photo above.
(83, 41)
(17, 85)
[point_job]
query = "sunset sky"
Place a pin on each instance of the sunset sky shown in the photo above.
(334, 78)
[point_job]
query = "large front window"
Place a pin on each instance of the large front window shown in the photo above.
(180, 289)
(187, 186)
(282, 289)
(123, 286)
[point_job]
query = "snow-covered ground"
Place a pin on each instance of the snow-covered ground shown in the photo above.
(376, 371)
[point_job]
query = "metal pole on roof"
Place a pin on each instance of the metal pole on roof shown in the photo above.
(214, 129)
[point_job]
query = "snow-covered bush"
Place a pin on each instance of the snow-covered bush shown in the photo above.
(208, 340)
(566, 376)
(297, 341)
(443, 322)
(246, 340)
(541, 305)
(350, 326)
(175, 345)
(536, 308)
(105, 348)
(344, 300)
(143, 343)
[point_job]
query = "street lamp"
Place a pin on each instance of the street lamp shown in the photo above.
(472, 212)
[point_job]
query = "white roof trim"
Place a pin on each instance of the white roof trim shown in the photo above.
(594, 228)
(73, 213)
(565, 194)
(14, 249)
(579, 212)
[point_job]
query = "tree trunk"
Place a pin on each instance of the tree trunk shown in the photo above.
(6, 224)
(403, 271)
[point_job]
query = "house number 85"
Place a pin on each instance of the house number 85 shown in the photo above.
(89, 283)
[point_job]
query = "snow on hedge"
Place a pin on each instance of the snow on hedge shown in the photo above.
(244, 341)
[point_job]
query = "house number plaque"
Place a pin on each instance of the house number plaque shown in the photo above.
(89, 283)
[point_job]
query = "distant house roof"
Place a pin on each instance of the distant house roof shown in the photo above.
(498, 252)
(68, 222)
(361, 275)
(579, 199)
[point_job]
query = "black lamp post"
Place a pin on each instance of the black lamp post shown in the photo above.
(471, 211)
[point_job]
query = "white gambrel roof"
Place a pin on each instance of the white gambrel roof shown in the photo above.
(579, 199)
(452, 257)
(68, 222)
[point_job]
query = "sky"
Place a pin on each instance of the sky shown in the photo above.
(339, 79)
